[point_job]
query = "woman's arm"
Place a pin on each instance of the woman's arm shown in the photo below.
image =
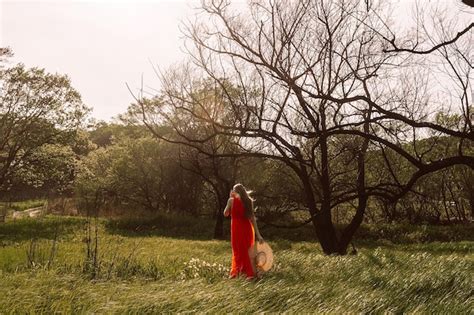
(228, 207)
(258, 236)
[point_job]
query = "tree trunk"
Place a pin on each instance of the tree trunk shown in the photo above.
(219, 224)
(356, 221)
(328, 239)
(326, 233)
(352, 228)
(321, 219)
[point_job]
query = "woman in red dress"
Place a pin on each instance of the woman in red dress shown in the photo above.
(244, 231)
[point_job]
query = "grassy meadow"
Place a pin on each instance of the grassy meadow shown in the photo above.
(172, 265)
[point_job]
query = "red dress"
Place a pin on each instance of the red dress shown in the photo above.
(242, 239)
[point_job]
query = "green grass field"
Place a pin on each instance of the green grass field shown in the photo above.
(172, 265)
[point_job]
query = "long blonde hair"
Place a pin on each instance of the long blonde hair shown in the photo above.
(247, 201)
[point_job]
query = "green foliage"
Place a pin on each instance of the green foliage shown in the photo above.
(81, 143)
(37, 109)
(275, 188)
(104, 134)
(28, 93)
(93, 178)
(142, 172)
(50, 167)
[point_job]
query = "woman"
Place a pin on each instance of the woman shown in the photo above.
(244, 231)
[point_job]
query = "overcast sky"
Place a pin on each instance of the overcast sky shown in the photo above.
(100, 44)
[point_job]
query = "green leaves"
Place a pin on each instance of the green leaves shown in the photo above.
(36, 108)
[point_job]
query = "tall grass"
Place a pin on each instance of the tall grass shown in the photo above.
(154, 270)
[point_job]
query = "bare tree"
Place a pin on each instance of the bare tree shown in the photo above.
(307, 83)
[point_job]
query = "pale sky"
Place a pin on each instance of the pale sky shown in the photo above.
(102, 44)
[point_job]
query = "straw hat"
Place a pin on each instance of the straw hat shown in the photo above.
(263, 256)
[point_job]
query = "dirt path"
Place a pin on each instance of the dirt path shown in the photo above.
(28, 213)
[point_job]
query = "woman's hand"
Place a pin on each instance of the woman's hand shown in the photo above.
(258, 236)
(228, 207)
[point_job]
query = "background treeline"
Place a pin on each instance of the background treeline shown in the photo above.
(139, 172)
(50, 150)
(136, 174)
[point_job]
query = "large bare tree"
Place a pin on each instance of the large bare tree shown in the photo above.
(311, 84)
